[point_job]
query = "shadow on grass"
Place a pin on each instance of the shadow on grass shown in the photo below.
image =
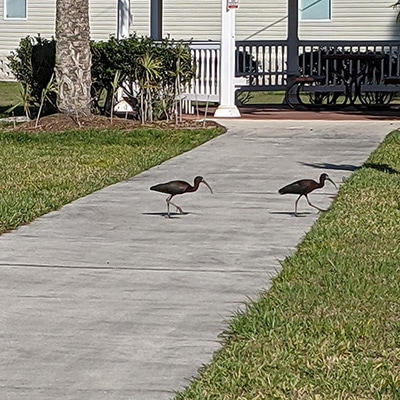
(382, 168)
(336, 167)
(18, 111)
(349, 167)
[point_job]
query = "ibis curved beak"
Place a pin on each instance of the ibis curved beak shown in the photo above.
(333, 183)
(207, 185)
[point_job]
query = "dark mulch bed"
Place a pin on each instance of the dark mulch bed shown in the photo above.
(62, 122)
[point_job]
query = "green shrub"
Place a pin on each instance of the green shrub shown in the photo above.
(32, 64)
(151, 73)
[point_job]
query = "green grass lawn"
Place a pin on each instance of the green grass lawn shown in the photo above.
(9, 93)
(253, 98)
(42, 172)
(329, 328)
(9, 96)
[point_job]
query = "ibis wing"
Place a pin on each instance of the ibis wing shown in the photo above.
(298, 187)
(158, 188)
(172, 187)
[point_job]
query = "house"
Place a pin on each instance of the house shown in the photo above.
(201, 21)
(267, 19)
(262, 31)
(20, 18)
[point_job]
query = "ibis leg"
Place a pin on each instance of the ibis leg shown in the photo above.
(295, 205)
(312, 205)
(170, 202)
(177, 207)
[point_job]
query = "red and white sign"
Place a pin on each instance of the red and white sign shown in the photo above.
(232, 4)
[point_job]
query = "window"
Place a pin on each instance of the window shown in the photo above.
(315, 10)
(15, 9)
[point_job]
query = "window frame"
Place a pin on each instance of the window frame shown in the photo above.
(317, 20)
(7, 18)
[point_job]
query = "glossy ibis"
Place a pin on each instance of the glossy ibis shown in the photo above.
(178, 187)
(305, 186)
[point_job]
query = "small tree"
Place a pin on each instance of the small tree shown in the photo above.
(148, 78)
(47, 92)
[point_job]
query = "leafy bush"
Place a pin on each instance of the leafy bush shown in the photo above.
(32, 64)
(151, 74)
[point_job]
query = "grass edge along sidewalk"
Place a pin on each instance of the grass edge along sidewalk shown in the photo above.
(329, 328)
(42, 172)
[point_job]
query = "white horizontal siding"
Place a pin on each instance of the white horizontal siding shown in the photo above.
(191, 19)
(261, 19)
(355, 20)
(140, 10)
(41, 20)
(187, 19)
(103, 19)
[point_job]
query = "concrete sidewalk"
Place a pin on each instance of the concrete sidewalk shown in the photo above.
(107, 299)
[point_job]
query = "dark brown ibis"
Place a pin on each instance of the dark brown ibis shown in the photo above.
(178, 187)
(305, 186)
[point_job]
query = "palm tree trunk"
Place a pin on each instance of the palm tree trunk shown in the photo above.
(73, 57)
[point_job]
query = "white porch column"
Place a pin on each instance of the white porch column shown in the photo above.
(227, 107)
(124, 18)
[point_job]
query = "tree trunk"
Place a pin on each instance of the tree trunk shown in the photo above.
(73, 57)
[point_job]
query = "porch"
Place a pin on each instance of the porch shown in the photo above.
(262, 66)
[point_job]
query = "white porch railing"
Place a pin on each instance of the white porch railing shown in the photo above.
(261, 65)
(204, 87)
